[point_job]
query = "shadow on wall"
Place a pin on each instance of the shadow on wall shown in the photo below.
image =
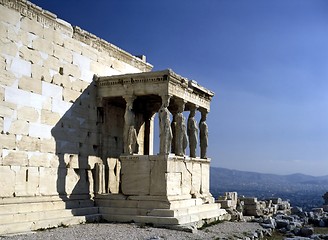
(77, 146)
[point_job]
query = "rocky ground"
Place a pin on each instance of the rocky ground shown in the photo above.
(225, 230)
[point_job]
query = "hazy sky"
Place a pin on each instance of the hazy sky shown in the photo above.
(266, 61)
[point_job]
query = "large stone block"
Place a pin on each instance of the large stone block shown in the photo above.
(15, 126)
(31, 26)
(30, 84)
(174, 181)
(38, 159)
(28, 143)
(40, 102)
(7, 109)
(62, 53)
(43, 45)
(30, 55)
(17, 96)
(20, 67)
(27, 181)
(27, 114)
(196, 178)
(27, 40)
(62, 80)
(39, 130)
(14, 158)
(7, 141)
(48, 145)
(158, 184)
(51, 90)
(70, 95)
(61, 107)
(49, 118)
(41, 73)
(7, 78)
(48, 180)
(135, 175)
(7, 180)
(9, 48)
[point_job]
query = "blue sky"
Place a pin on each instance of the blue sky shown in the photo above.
(266, 61)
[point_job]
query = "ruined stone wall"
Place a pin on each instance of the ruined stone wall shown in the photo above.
(48, 114)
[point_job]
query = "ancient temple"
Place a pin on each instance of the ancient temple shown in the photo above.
(168, 188)
(77, 123)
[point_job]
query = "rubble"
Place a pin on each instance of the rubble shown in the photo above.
(277, 215)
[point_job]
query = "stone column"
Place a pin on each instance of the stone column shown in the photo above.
(192, 131)
(181, 140)
(165, 132)
(203, 134)
(129, 131)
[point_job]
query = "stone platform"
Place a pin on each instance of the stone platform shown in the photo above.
(162, 190)
(159, 212)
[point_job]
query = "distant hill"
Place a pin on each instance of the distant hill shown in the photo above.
(302, 190)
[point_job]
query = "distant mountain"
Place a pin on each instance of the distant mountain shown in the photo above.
(302, 190)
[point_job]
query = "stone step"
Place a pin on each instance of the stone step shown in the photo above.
(151, 204)
(159, 212)
(40, 215)
(44, 206)
(23, 227)
(33, 199)
(212, 215)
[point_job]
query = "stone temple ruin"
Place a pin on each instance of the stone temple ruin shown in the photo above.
(77, 120)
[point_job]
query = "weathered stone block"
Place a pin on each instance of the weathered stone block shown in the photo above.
(15, 126)
(174, 183)
(7, 109)
(27, 181)
(7, 78)
(28, 114)
(28, 143)
(196, 178)
(20, 67)
(48, 145)
(31, 26)
(7, 180)
(39, 130)
(61, 107)
(30, 84)
(30, 55)
(158, 184)
(135, 176)
(41, 73)
(70, 95)
(40, 102)
(9, 48)
(14, 158)
(63, 53)
(27, 39)
(43, 45)
(49, 178)
(38, 159)
(51, 90)
(62, 80)
(7, 141)
(17, 96)
(49, 118)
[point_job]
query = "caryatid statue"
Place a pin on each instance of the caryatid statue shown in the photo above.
(203, 134)
(165, 132)
(129, 132)
(181, 140)
(192, 131)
